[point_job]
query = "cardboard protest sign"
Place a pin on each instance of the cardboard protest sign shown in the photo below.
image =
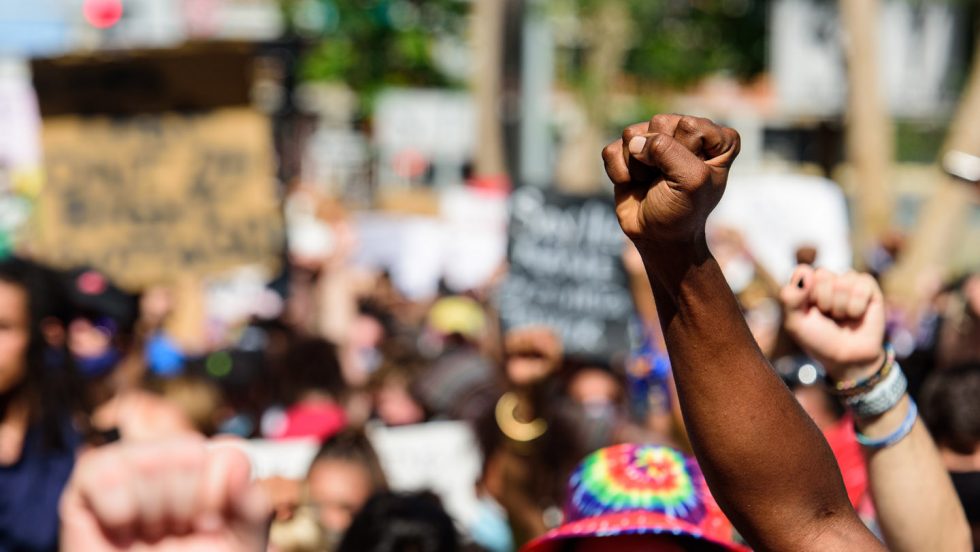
(566, 271)
(149, 197)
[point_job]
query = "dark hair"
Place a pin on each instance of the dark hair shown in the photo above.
(50, 383)
(950, 405)
(310, 364)
(407, 522)
(373, 309)
(353, 446)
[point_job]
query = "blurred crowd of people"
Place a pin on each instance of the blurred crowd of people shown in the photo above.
(84, 364)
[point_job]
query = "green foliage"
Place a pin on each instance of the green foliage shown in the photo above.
(368, 44)
(676, 43)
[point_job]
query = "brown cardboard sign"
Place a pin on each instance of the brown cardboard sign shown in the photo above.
(150, 197)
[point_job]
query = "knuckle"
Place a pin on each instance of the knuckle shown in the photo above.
(659, 144)
(691, 125)
(608, 153)
(660, 120)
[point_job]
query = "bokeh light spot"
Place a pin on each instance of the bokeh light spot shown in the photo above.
(218, 364)
(102, 14)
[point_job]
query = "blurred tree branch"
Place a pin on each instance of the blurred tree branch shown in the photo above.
(925, 260)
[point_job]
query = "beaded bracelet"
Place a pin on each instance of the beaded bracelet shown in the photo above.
(903, 430)
(847, 388)
(881, 398)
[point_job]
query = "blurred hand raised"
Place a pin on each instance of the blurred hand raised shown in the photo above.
(838, 319)
(179, 495)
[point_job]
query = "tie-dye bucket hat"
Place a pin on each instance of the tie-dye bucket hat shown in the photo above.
(639, 489)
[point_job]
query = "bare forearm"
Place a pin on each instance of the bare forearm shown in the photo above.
(916, 504)
(768, 465)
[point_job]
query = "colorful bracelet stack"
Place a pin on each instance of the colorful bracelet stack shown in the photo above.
(875, 395)
(849, 388)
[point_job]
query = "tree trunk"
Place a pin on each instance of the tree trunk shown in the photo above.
(487, 42)
(579, 166)
(870, 137)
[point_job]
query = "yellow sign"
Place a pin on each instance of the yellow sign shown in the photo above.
(150, 197)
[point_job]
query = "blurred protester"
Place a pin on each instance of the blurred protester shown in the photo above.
(959, 333)
(170, 495)
(951, 410)
(638, 497)
(39, 409)
(462, 382)
(530, 440)
(394, 391)
(313, 516)
(344, 474)
(312, 389)
(99, 338)
(100, 328)
(597, 388)
(391, 522)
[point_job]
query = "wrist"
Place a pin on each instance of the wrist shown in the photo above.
(857, 370)
(883, 424)
(669, 260)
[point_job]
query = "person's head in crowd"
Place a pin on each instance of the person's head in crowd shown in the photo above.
(344, 473)
(598, 388)
(101, 324)
(395, 392)
(950, 406)
(35, 372)
(632, 497)
(532, 354)
(958, 339)
(311, 367)
(461, 385)
(453, 322)
(372, 326)
(40, 408)
(312, 388)
(410, 522)
(806, 254)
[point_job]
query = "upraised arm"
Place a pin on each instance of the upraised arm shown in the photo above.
(839, 320)
(766, 463)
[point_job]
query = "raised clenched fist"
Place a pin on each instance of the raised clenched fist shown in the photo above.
(838, 319)
(179, 495)
(668, 175)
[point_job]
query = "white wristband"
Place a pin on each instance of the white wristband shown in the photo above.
(882, 397)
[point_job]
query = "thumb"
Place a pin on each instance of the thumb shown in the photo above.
(675, 161)
(795, 295)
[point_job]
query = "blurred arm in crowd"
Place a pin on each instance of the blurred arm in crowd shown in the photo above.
(765, 461)
(839, 320)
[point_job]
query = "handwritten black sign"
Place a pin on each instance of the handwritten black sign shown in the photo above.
(566, 271)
